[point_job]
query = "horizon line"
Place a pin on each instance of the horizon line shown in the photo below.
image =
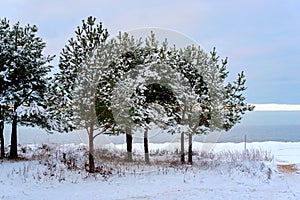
(276, 107)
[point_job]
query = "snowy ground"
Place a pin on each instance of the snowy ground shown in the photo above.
(268, 171)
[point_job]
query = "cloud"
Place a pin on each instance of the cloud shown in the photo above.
(276, 107)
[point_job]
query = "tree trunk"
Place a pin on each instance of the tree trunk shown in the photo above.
(190, 156)
(147, 158)
(2, 132)
(91, 152)
(182, 154)
(2, 153)
(14, 141)
(129, 144)
(91, 138)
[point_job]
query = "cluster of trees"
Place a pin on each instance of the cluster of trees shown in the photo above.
(115, 86)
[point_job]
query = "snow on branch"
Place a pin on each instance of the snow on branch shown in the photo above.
(30, 110)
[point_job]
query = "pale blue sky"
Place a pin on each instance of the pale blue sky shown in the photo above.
(259, 37)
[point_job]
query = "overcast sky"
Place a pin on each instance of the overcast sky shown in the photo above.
(259, 37)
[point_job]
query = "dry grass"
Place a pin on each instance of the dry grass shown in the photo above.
(288, 169)
(62, 162)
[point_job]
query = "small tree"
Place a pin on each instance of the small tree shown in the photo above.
(24, 74)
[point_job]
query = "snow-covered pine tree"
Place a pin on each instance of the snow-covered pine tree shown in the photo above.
(4, 30)
(144, 94)
(24, 70)
(80, 96)
(127, 56)
(168, 68)
(223, 102)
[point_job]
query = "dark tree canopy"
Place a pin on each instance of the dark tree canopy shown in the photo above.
(23, 75)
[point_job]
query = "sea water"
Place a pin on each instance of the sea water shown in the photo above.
(257, 126)
(260, 126)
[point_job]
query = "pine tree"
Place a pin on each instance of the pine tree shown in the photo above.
(4, 32)
(24, 73)
(144, 93)
(79, 97)
(128, 55)
(222, 104)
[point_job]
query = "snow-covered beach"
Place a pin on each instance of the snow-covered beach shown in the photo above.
(222, 173)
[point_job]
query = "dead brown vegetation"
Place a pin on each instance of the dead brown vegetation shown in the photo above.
(287, 168)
